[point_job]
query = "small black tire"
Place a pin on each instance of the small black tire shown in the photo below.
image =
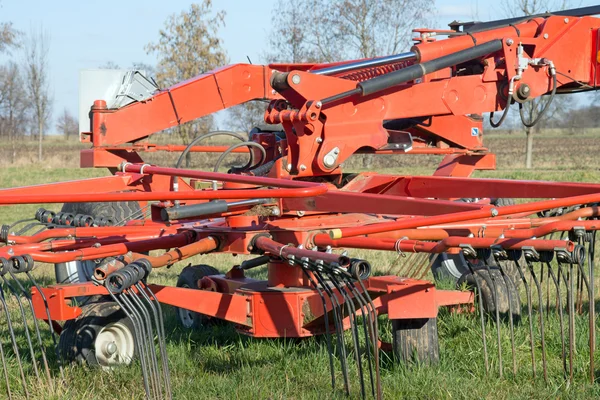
(451, 267)
(507, 293)
(503, 201)
(416, 340)
(188, 278)
(87, 339)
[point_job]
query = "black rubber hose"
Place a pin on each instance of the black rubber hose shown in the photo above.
(243, 144)
(502, 118)
(530, 124)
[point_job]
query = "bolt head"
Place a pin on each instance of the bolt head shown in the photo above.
(273, 91)
(319, 104)
(509, 42)
(328, 160)
(336, 151)
(566, 20)
(319, 140)
(295, 79)
(302, 167)
(545, 36)
(288, 167)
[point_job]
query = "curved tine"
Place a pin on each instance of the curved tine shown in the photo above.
(393, 265)
(137, 342)
(367, 329)
(529, 313)
(481, 314)
(561, 318)
(160, 335)
(568, 280)
(313, 281)
(339, 328)
(28, 227)
(146, 341)
(162, 331)
(592, 303)
(5, 369)
(50, 325)
(510, 317)
(14, 343)
(353, 328)
(418, 265)
(25, 327)
(541, 318)
(11, 226)
(375, 334)
(406, 265)
(429, 265)
(27, 297)
(497, 307)
(146, 320)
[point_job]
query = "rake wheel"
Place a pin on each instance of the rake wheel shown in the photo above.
(102, 336)
(506, 294)
(189, 278)
(416, 340)
(81, 271)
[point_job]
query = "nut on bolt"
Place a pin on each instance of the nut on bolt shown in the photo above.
(295, 79)
(509, 42)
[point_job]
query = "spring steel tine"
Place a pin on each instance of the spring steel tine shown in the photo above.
(304, 267)
(140, 349)
(50, 324)
(156, 310)
(529, 313)
(482, 316)
(560, 316)
(5, 369)
(368, 328)
(510, 317)
(406, 265)
(36, 326)
(428, 266)
(567, 278)
(418, 265)
(571, 322)
(25, 327)
(146, 320)
(353, 328)
(146, 341)
(375, 333)
(338, 324)
(592, 303)
(14, 341)
(496, 306)
(541, 317)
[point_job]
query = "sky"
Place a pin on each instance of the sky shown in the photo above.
(89, 34)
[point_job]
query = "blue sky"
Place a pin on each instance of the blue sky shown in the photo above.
(88, 34)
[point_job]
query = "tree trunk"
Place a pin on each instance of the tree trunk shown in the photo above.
(40, 137)
(529, 148)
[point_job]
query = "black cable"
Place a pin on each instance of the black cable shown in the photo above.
(243, 144)
(531, 124)
(502, 118)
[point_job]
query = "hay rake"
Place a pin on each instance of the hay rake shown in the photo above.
(296, 214)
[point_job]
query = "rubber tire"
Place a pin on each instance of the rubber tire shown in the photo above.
(503, 201)
(76, 341)
(189, 277)
(487, 292)
(451, 267)
(65, 272)
(416, 340)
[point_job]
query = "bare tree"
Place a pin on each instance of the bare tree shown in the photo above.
(248, 115)
(14, 105)
(532, 109)
(188, 46)
(67, 124)
(37, 82)
(334, 30)
(8, 35)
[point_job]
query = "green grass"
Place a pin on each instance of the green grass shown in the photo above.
(217, 362)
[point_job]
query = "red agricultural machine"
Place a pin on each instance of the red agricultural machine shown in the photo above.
(293, 207)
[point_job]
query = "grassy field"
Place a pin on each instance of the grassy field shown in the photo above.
(217, 362)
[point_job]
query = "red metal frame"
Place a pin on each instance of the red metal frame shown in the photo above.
(311, 203)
